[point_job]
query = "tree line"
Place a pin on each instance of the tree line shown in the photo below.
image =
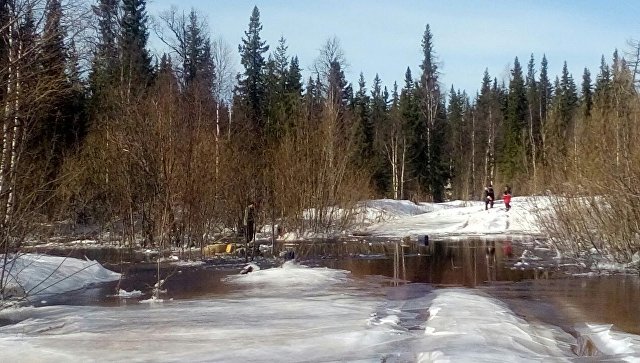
(170, 148)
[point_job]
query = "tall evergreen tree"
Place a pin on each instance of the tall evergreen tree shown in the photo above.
(458, 143)
(283, 89)
(294, 78)
(281, 60)
(603, 81)
(487, 115)
(293, 91)
(104, 65)
(545, 92)
(568, 98)
(251, 85)
(339, 92)
(364, 127)
(136, 61)
(512, 155)
(409, 116)
(428, 158)
(587, 94)
(55, 128)
(379, 121)
(565, 102)
(534, 139)
(54, 52)
(197, 62)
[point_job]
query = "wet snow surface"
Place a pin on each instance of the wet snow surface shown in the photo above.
(387, 218)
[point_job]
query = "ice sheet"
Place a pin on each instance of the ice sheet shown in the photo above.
(42, 275)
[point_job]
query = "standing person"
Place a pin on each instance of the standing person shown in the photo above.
(489, 196)
(249, 229)
(506, 196)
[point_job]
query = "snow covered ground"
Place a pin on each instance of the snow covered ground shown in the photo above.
(389, 218)
(41, 276)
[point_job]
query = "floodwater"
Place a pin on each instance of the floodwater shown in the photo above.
(520, 272)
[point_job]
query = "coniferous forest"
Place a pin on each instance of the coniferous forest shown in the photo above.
(168, 148)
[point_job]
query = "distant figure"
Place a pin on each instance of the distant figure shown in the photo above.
(506, 197)
(489, 196)
(249, 227)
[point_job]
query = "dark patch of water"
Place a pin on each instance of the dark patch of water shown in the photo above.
(523, 273)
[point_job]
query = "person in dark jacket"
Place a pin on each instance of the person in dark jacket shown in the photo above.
(489, 196)
(249, 229)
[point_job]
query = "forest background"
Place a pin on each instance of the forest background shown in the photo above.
(160, 150)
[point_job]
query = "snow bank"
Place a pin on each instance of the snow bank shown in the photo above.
(290, 277)
(375, 211)
(600, 339)
(462, 219)
(467, 327)
(41, 275)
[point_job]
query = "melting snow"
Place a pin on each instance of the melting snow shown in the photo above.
(40, 275)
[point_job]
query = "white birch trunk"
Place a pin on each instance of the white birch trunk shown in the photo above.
(402, 166)
(217, 138)
(473, 153)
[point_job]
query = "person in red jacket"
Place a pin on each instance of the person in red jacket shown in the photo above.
(506, 197)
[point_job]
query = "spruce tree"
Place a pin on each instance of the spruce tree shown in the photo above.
(364, 127)
(136, 61)
(586, 94)
(281, 60)
(197, 48)
(251, 85)
(54, 52)
(603, 82)
(512, 151)
(409, 116)
(103, 74)
(568, 98)
(534, 127)
(428, 160)
(293, 91)
(457, 143)
(379, 120)
(544, 90)
(294, 78)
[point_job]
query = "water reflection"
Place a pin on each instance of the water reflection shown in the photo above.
(535, 285)
(443, 263)
(565, 301)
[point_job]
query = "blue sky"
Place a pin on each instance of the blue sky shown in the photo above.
(384, 36)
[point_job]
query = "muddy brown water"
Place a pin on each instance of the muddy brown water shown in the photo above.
(526, 276)
(520, 272)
